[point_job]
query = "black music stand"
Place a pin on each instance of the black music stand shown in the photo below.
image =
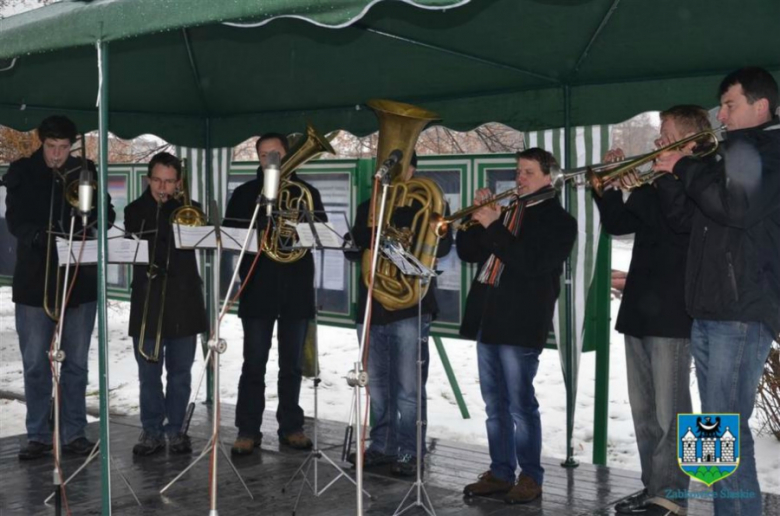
(319, 237)
(216, 347)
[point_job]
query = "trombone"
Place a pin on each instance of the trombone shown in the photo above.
(442, 223)
(185, 215)
(627, 173)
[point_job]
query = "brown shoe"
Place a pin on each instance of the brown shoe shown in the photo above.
(525, 490)
(297, 440)
(487, 485)
(246, 445)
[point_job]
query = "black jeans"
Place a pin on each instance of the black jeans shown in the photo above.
(258, 335)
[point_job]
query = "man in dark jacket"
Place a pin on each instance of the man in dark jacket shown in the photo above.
(35, 203)
(182, 316)
(509, 312)
(656, 326)
(276, 292)
(732, 283)
(392, 354)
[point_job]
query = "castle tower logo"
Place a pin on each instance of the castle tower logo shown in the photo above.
(708, 445)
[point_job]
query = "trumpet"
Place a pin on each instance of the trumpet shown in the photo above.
(185, 215)
(628, 174)
(442, 223)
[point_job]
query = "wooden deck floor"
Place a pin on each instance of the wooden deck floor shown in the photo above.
(587, 489)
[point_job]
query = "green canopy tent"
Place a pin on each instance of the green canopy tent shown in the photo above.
(208, 74)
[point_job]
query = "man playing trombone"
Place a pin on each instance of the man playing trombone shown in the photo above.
(653, 319)
(509, 312)
(37, 205)
(167, 310)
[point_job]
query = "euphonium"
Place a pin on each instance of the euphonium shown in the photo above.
(294, 197)
(399, 127)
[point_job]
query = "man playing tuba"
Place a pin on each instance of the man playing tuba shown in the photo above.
(392, 355)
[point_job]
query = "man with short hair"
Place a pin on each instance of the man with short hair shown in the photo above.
(653, 319)
(276, 294)
(509, 312)
(181, 314)
(35, 203)
(392, 353)
(732, 283)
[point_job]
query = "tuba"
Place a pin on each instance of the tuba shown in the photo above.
(399, 127)
(293, 198)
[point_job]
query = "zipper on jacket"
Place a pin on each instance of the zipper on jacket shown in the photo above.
(732, 276)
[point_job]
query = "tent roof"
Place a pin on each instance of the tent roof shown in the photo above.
(176, 70)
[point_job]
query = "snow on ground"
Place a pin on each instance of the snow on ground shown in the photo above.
(338, 350)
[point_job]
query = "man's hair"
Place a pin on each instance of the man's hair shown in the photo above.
(756, 83)
(689, 118)
(57, 127)
(273, 136)
(167, 159)
(546, 160)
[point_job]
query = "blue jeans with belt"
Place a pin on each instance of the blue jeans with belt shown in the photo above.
(392, 376)
(156, 406)
(730, 357)
(35, 331)
(514, 425)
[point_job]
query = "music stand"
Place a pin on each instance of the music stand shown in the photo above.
(216, 346)
(319, 237)
(58, 356)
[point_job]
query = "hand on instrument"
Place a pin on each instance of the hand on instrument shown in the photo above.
(666, 161)
(487, 215)
(482, 196)
(614, 155)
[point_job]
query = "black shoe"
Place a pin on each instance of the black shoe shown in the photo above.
(80, 446)
(406, 466)
(372, 458)
(634, 504)
(34, 450)
(148, 445)
(652, 509)
(179, 444)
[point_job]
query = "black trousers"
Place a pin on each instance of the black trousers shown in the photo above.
(258, 335)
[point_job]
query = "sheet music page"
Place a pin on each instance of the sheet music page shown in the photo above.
(190, 237)
(233, 239)
(328, 237)
(120, 250)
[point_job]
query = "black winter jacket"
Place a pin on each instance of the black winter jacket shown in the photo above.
(185, 311)
(275, 289)
(733, 271)
(362, 234)
(653, 302)
(30, 183)
(519, 311)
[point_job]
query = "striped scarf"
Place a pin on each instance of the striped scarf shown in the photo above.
(491, 271)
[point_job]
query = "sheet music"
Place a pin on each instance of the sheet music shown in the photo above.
(120, 250)
(204, 237)
(326, 233)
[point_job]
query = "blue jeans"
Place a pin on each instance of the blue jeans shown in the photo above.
(156, 406)
(258, 335)
(659, 372)
(35, 331)
(514, 427)
(730, 357)
(392, 376)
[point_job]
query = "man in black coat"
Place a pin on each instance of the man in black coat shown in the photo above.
(182, 316)
(392, 352)
(656, 326)
(35, 203)
(276, 292)
(509, 312)
(732, 281)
